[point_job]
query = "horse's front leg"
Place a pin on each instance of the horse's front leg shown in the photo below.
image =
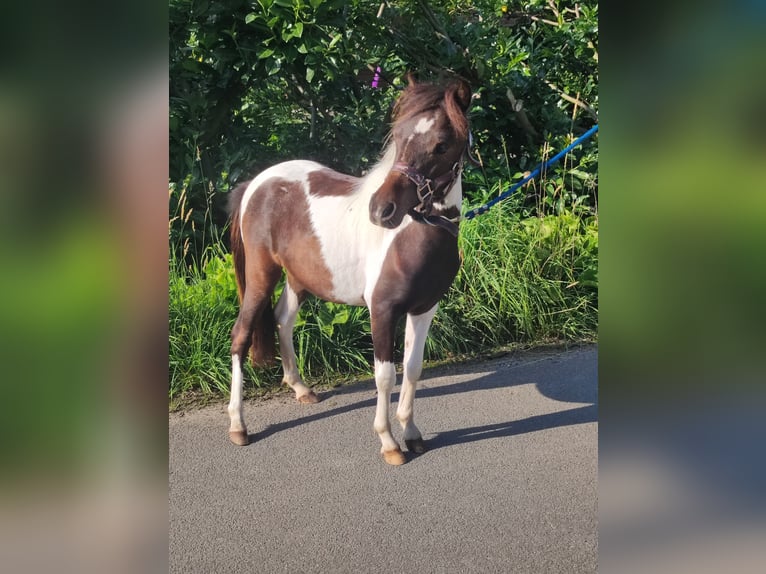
(383, 327)
(414, 343)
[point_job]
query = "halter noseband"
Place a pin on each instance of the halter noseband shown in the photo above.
(427, 189)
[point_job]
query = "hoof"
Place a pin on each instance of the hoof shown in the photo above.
(394, 457)
(416, 445)
(308, 399)
(239, 438)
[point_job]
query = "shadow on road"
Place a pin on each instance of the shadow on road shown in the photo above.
(576, 416)
(559, 381)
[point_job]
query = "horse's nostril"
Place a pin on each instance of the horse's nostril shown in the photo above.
(388, 212)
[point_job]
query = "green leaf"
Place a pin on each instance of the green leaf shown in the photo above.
(298, 30)
(250, 17)
(265, 53)
(328, 329)
(580, 174)
(309, 74)
(302, 49)
(274, 68)
(341, 316)
(335, 40)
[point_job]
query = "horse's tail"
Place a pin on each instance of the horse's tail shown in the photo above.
(237, 246)
(262, 346)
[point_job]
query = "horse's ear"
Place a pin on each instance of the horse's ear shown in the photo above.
(463, 94)
(410, 79)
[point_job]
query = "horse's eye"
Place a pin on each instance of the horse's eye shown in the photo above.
(440, 149)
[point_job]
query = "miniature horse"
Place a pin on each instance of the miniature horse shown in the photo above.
(387, 240)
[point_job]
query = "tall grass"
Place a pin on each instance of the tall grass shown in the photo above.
(203, 306)
(523, 279)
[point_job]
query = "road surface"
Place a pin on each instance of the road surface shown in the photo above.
(508, 484)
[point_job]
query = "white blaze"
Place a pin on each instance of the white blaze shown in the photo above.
(423, 125)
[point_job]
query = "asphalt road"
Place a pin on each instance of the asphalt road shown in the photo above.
(509, 483)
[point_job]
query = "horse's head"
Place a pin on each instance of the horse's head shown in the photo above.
(430, 133)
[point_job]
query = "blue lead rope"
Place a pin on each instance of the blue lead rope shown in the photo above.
(544, 165)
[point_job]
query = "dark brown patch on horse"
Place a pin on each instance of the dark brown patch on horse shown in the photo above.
(327, 182)
(277, 218)
(258, 335)
(411, 280)
(427, 271)
(451, 212)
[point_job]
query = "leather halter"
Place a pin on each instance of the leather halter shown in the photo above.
(429, 189)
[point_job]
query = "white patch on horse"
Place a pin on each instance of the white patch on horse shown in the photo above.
(235, 403)
(454, 197)
(285, 313)
(385, 378)
(423, 125)
(353, 248)
(407, 143)
(414, 341)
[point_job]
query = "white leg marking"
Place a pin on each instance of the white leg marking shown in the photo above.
(285, 313)
(414, 343)
(385, 378)
(235, 403)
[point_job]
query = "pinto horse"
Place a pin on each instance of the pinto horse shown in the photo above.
(387, 240)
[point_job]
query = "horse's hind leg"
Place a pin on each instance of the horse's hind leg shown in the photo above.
(414, 342)
(286, 311)
(255, 301)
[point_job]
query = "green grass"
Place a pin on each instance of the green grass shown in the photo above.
(523, 280)
(203, 306)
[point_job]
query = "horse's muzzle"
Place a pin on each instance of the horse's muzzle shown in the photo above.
(384, 214)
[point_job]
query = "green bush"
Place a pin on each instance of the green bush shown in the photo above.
(255, 83)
